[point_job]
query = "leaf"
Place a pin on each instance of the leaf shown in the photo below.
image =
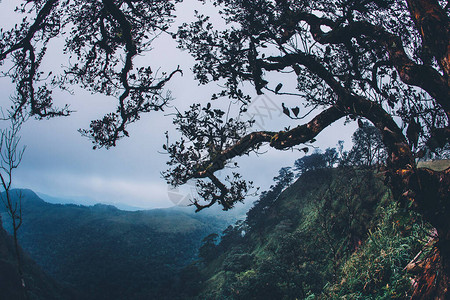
(412, 132)
(394, 75)
(278, 88)
(360, 123)
(286, 110)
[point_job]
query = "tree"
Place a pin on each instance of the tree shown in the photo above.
(208, 250)
(331, 157)
(383, 61)
(10, 158)
(311, 162)
(258, 213)
(316, 161)
(368, 148)
(284, 178)
(370, 76)
(102, 40)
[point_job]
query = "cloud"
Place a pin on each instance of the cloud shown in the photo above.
(103, 189)
(59, 162)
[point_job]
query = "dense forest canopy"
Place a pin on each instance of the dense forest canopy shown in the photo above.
(384, 61)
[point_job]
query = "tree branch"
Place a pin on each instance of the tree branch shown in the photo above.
(37, 25)
(423, 76)
(433, 25)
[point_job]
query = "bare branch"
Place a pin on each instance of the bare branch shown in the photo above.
(11, 156)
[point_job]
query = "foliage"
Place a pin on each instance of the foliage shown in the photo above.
(318, 160)
(331, 157)
(310, 162)
(91, 248)
(368, 148)
(207, 251)
(383, 61)
(257, 213)
(377, 270)
(284, 178)
(344, 237)
(101, 41)
(39, 286)
(386, 62)
(359, 61)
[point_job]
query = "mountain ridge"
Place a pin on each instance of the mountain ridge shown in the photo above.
(332, 234)
(92, 247)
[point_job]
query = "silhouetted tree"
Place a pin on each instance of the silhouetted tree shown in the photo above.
(209, 249)
(311, 162)
(10, 158)
(284, 178)
(331, 157)
(258, 213)
(384, 61)
(368, 148)
(101, 41)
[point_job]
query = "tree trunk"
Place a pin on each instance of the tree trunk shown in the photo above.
(19, 259)
(428, 193)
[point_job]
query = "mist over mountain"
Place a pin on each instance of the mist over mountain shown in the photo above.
(83, 201)
(107, 253)
(334, 233)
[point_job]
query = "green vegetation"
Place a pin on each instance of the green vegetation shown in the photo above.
(377, 270)
(106, 253)
(38, 284)
(333, 234)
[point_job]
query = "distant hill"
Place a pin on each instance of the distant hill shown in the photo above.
(333, 234)
(82, 201)
(107, 253)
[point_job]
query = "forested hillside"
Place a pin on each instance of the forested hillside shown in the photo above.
(38, 284)
(333, 234)
(106, 253)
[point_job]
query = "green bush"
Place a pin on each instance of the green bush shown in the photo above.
(377, 269)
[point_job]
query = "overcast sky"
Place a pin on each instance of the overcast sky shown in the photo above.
(61, 163)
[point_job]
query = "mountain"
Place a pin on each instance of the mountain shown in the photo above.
(107, 253)
(332, 234)
(83, 201)
(38, 284)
